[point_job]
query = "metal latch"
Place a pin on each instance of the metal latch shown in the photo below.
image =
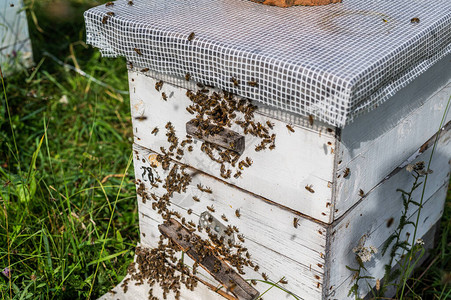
(230, 279)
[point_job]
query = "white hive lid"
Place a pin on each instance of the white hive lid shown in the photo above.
(333, 62)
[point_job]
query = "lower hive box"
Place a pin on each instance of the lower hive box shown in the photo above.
(303, 258)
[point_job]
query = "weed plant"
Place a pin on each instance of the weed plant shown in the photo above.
(68, 213)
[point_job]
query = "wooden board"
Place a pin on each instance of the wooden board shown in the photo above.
(301, 158)
(15, 43)
(370, 217)
(431, 213)
(375, 143)
(275, 245)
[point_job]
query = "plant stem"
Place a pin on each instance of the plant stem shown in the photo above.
(422, 195)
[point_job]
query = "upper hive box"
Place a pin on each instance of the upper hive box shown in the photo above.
(344, 96)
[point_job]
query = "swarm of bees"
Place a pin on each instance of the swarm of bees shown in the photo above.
(212, 113)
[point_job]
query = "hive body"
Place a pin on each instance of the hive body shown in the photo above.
(315, 175)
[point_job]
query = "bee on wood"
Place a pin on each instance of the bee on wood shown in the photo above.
(190, 148)
(141, 118)
(104, 19)
(290, 128)
(295, 222)
(235, 81)
(191, 36)
(208, 190)
(309, 188)
(272, 147)
(265, 277)
(240, 237)
(283, 281)
(346, 173)
(390, 222)
(138, 51)
(270, 125)
(237, 175)
(310, 119)
(415, 20)
(144, 70)
(254, 282)
(361, 193)
(237, 213)
(211, 208)
(155, 131)
(196, 199)
(252, 83)
(190, 211)
(109, 4)
(110, 13)
(258, 148)
(159, 85)
(164, 96)
(224, 218)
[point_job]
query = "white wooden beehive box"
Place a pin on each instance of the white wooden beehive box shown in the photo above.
(331, 178)
(15, 43)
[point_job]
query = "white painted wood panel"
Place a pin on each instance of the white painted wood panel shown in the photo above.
(15, 44)
(375, 143)
(305, 157)
(384, 202)
(274, 243)
(430, 215)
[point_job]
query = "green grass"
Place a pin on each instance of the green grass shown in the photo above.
(58, 207)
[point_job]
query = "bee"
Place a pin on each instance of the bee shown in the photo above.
(256, 268)
(252, 83)
(254, 282)
(237, 213)
(361, 193)
(272, 147)
(191, 36)
(346, 173)
(159, 85)
(110, 13)
(310, 119)
(138, 51)
(141, 118)
(192, 224)
(283, 281)
(258, 148)
(211, 208)
(390, 222)
(190, 148)
(130, 2)
(415, 20)
(295, 222)
(270, 125)
(144, 70)
(232, 145)
(164, 96)
(224, 218)
(109, 4)
(265, 277)
(187, 76)
(237, 174)
(190, 211)
(208, 190)
(309, 188)
(385, 20)
(196, 199)
(235, 81)
(130, 64)
(105, 18)
(155, 131)
(317, 277)
(290, 128)
(318, 285)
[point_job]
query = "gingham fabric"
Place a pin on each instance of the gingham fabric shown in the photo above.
(333, 62)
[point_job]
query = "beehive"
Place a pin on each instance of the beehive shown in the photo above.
(15, 44)
(341, 133)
